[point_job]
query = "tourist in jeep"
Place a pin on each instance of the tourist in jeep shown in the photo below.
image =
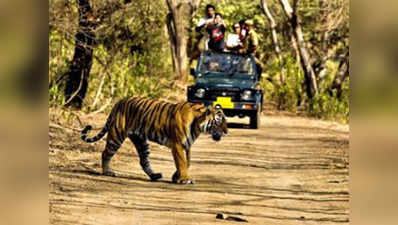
(234, 42)
(251, 39)
(216, 33)
(204, 23)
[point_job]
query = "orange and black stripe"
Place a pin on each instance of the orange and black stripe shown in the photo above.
(143, 120)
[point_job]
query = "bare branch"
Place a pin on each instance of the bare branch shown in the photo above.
(274, 38)
(291, 13)
(341, 76)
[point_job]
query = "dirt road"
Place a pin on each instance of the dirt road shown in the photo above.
(291, 171)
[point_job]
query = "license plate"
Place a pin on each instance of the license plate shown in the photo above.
(224, 102)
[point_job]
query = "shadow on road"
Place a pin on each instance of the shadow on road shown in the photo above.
(118, 176)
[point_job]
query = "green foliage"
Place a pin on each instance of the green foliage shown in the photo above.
(330, 107)
(129, 75)
(56, 96)
(60, 52)
(132, 55)
(291, 96)
(285, 97)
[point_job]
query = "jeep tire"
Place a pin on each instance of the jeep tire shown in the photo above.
(255, 119)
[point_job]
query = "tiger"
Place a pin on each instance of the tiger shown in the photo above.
(174, 125)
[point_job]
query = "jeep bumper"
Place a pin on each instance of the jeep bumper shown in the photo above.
(231, 108)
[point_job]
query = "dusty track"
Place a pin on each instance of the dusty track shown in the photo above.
(291, 171)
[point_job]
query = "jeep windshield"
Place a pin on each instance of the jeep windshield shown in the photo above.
(225, 63)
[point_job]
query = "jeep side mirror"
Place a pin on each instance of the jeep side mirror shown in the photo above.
(192, 72)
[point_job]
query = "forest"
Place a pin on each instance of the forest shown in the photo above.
(292, 168)
(102, 51)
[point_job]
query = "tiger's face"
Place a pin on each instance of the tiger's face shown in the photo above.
(215, 123)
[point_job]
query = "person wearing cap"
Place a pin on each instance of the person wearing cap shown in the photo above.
(251, 44)
(234, 42)
(251, 40)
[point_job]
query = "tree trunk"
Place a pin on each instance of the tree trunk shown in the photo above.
(193, 44)
(305, 60)
(341, 75)
(275, 42)
(177, 25)
(79, 69)
(296, 50)
(324, 53)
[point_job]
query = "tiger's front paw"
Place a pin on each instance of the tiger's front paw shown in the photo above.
(185, 181)
(181, 180)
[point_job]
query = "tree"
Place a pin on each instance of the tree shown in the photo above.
(305, 60)
(178, 20)
(275, 42)
(341, 76)
(79, 70)
(85, 42)
(304, 48)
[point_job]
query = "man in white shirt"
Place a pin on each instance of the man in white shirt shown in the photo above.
(205, 22)
(208, 19)
(233, 41)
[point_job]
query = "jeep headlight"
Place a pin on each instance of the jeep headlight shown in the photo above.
(247, 95)
(200, 93)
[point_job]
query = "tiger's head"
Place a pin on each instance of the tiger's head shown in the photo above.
(214, 123)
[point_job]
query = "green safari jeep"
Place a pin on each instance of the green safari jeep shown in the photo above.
(229, 81)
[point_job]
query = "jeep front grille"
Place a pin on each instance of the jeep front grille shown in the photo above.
(213, 94)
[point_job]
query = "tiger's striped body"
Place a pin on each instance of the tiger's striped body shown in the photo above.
(176, 126)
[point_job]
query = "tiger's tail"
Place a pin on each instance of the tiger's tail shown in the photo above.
(95, 138)
(104, 130)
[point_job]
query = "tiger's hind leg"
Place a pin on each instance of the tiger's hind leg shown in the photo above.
(107, 155)
(143, 151)
(111, 148)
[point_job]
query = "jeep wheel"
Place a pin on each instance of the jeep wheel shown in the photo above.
(255, 119)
